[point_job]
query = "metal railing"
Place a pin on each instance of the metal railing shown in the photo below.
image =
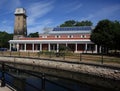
(65, 56)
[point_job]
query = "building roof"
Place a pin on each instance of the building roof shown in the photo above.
(80, 29)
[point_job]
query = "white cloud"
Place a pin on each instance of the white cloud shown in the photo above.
(89, 17)
(37, 10)
(39, 27)
(71, 7)
(74, 8)
(9, 6)
(108, 11)
(103, 13)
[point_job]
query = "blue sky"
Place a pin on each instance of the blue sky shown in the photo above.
(52, 13)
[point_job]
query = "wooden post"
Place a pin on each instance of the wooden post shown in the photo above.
(64, 56)
(43, 82)
(80, 56)
(102, 55)
(3, 76)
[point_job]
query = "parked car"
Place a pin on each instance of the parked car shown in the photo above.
(3, 49)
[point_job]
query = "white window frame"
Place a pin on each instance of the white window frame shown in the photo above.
(57, 36)
(70, 36)
(44, 36)
(83, 36)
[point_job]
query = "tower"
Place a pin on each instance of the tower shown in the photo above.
(20, 25)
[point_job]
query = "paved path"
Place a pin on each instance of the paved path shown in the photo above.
(5, 89)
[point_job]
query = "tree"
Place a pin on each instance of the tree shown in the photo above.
(106, 34)
(4, 38)
(71, 23)
(36, 34)
(84, 23)
(68, 23)
(116, 35)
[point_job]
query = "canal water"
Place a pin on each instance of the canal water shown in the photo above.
(31, 78)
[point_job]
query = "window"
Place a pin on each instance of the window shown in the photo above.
(57, 36)
(83, 36)
(70, 36)
(44, 36)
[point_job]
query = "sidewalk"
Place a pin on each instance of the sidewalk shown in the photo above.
(5, 89)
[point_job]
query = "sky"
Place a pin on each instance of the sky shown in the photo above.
(52, 13)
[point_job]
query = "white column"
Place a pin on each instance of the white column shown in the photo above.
(95, 48)
(10, 46)
(76, 47)
(13, 45)
(66, 44)
(86, 47)
(100, 49)
(33, 47)
(57, 47)
(49, 47)
(40, 47)
(17, 47)
(25, 47)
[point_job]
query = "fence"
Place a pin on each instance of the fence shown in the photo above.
(66, 56)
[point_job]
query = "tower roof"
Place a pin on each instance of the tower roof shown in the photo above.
(20, 11)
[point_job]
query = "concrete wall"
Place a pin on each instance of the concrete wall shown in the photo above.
(80, 68)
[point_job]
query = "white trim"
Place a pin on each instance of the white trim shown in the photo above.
(33, 41)
(51, 41)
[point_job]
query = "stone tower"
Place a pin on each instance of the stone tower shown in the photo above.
(20, 25)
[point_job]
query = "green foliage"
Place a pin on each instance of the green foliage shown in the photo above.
(117, 35)
(63, 48)
(71, 23)
(4, 38)
(68, 23)
(107, 34)
(36, 34)
(84, 23)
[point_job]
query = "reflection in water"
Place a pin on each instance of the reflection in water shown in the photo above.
(59, 80)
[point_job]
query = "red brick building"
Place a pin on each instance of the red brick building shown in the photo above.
(77, 39)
